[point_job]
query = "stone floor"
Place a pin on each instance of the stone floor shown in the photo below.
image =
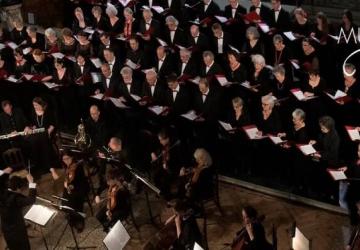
(325, 229)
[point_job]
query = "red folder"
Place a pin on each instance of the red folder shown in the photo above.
(252, 17)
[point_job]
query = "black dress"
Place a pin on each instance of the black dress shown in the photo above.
(68, 49)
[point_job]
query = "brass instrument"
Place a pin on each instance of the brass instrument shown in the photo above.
(82, 140)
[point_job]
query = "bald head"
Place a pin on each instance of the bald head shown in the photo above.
(151, 77)
(94, 113)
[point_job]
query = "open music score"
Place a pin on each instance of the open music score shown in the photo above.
(276, 139)
(306, 149)
(337, 174)
(117, 238)
(353, 133)
(300, 95)
(253, 132)
(226, 126)
(39, 214)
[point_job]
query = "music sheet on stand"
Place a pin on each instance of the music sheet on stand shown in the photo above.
(117, 238)
(39, 214)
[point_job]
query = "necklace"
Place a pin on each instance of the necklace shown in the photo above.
(40, 123)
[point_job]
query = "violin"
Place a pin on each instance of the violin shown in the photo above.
(112, 201)
(70, 176)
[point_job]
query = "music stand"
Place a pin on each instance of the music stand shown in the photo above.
(70, 212)
(40, 215)
(117, 238)
(299, 241)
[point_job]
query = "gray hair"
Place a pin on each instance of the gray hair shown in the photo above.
(171, 19)
(252, 30)
(185, 52)
(129, 11)
(126, 70)
(111, 10)
(202, 155)
(238, 100)
(279, 69)
(268, 99)
(148, 10)
(208, 53)
(299, 113)
(50, 32)
(31, 28)
(278, 38)
(258, 59)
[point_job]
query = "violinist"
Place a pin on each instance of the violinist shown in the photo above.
(76, 188)
(187, 230)
(354, 242)
(118, 200)
(197, 183)
(252, 235)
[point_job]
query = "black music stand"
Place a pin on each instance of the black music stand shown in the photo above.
(40, 215)
(68, 213)
(117, 238)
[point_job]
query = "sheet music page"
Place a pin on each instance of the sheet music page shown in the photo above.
(12, 45)
(39, 214)
(99, 96)
(353, 133)
(95, 77)
(71, 58)
(51, 85)
(96, 62)
(197, 246)
(264, 27)
(124, 2)
(246, 85)
(298, 94)
(117, 238)
(131, 64)
(58, 55)
(195, 80)
(226, 126)
(158, 9)
(28, 76)
(222, 80)
(307, 149)
(276, 139)
(2, 46)
(222, 19)
(135, 97)
(89, 30)
(252, 133)
(337, 174)
(12, 79)
(339, 94)
(26, 51)
(118, 103)
(290, 35)
(162, 42)
(157, 109)
(191, 115)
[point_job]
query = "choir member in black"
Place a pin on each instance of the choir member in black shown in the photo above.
(34, 40)
(208, 9)
(261, 77)
(234, 12)
(100, 21)
(327, 146)
(198, 41)
(173, 34)
(187, 229)
(52, 43)
(41, 66)
(82, 75)
(187, 67)
(301, 26)
(68, 43)
(263, 11)
(115, 27)
(11, 212)
(173, 8)
(22, 65)
(84, 45)
(80, 22)
(178, 97)
(136, 54)
(252, 234)
(113, 61)
(209, 68)
(12, 119)
(279, 18)
(196, 184)
(281, 55)
(355, 235)
(110, 82)
(164, 63)
(269, 120)
(167, 160)
(106, 42)
(76, 188)
(282, 84)
(220, 42)
(43, 153)
(153, 91)
(4, 72)
(96, 128)
(117, 201)
(130, 24)
(237, 70)
(129, 86)
(18, 34)
(253, 45)
(150, 29)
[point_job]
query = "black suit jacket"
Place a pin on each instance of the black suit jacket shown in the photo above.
(226, 43)
(159, 93)
(240, 10)
(215, 69)
(19, 120)
(179, 38)
(166, 68)
(114, 45)
(210, 109)
(112, 90)
(211, 11)
(85, 75)
(153, 31)
(182, 102)
(135, 89)
(265, 13)
(191, 68)
(283, 23)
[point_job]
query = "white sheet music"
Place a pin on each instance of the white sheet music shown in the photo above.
(2, 46)
(26, 50)
(195, 80)
(276, 139)
(117, 238)
(58, 55)
(51, 85)
(28, 76)
(117, 102)
(96, 62)
(39, 214)
(191, 115)
(353, 133)
(95, 77)
(298, 94)
(124, 2)
(222, 19)
(338, 94)
(295, 65)
(135, 97)
(246, 85)
(223, 81)
(197, 247)
(89, 30)
(264, 27)
(253, 133)
(1, 172)
(99, 96)
(226, 126)
(162, 42)
(158, 9)
(234, 49)
(12, 45)
(307, 149)
(131, 64)
(12, 79)
(157, 109)
(290, 35)
(337, 174)
(300, 242)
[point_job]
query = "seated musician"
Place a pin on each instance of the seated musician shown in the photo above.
(95, 127)
(43, 152)
(187, 230)
(41, 65)
(76, 188)
(52, 42)
(117, 200)
(22, 65)
(269, 121)
(252, 235)
(198, 182)
(261, 76)
(354, 242)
